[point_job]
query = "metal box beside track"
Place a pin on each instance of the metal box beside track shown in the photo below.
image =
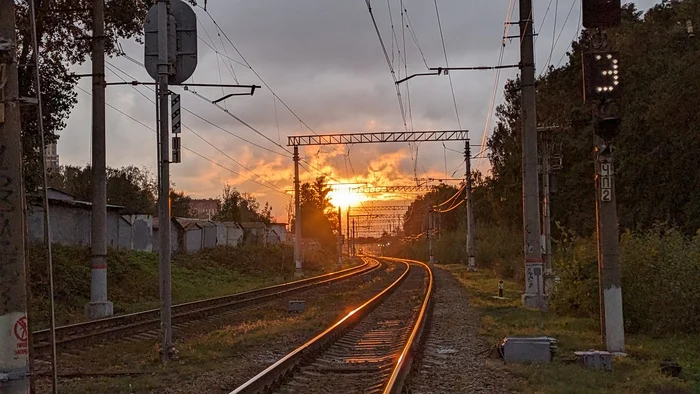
(528, 349)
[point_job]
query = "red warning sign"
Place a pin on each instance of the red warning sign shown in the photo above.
(21, 329)
(22, 335)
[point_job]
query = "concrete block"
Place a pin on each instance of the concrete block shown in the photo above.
(296, 306)
(99, 309)
(528, 349)
(595, 359)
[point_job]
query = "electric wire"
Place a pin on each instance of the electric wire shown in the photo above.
(274, 188)
(447, 64)
(578, 30)
(549, 59)
(544, 18)
(247, 63)
(199, 116)
(496, 81)
(391, 67)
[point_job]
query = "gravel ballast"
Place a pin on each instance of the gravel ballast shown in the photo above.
(454, 357)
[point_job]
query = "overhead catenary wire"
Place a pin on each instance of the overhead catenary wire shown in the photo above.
(247, 63)
(549, 59)
(578, 30)
(497, 77)
(196, 114)
(447, 64)
(273, 188)
(453, 207)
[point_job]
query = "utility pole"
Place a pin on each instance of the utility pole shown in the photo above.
(347, 227)
(297, 214)
(533, 297)
(340, 239)
(603, 92)
(354, 250)
(430, 238)
(14, 331)
(99, 306)
(167, 350)
(468, 202)
(546, 207)
(608, 250)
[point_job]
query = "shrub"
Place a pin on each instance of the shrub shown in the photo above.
(660, 272)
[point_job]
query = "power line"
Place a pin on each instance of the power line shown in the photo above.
(275, 189)
(497, 77)
(549, 59)
(192, 112)
(578, 30)
(544, 18)
(109, 67)
(391, 67)
(447, 64)
(409, 25)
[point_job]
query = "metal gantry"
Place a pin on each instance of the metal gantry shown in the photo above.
(350, 139)
(370, 138)
(392, 189)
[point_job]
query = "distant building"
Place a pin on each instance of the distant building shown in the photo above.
(205, 208)
(52, 157)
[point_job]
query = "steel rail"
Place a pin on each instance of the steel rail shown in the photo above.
(266, 380)
(403, 365)
(140, 321)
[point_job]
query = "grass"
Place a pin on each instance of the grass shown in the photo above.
(638, 372)
(220, 357)
(133, 277)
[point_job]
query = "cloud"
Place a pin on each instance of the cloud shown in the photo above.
(324, 60)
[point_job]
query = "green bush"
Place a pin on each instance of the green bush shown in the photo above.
(497, 248)
(660, 273)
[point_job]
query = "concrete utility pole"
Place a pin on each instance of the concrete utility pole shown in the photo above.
(14, 331)
(167, 350)
(99, 306)
(340, 238)
(297, 214)
(602, 90)
(430, 238)
(533, 297)
(546, 209)
(608, 250)
(354, 250)
(347, 230)
(469, 203)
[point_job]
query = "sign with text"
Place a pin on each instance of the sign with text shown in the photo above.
(606, 174)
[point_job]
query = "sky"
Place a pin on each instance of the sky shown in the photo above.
(324, 61)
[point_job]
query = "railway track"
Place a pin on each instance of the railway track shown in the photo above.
(139, 323)
(368, 351)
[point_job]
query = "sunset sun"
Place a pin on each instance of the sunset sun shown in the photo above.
(343, 197)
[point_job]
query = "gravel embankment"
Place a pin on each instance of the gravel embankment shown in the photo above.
(454, 357)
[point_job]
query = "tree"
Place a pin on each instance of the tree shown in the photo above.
(657, 149)
(230, 205)
(318, 220)
(242, 207)
(62, 26)
(179, 204)
(133, 188)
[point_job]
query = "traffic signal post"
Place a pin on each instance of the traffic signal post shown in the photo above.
(602, 81)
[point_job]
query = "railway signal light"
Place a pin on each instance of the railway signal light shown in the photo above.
(602, 76)
(601, 13)
(607, 127)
